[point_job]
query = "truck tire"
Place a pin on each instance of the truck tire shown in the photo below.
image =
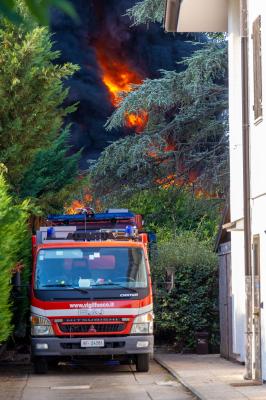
(142, 362)
(40, 365)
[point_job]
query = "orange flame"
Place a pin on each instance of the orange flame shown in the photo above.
(118, 78)
(170, 180)
(137, 121)
(173, 180)
(77, 204)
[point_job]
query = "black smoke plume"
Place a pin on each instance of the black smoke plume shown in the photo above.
(145, 50)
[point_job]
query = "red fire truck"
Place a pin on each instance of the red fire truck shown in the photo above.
(91, 290)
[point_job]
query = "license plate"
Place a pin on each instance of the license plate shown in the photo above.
(92, 343)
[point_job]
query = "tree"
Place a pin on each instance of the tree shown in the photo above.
(40, 180)
(32, 109)
(146, 11)
(37, 9)
(185, 139)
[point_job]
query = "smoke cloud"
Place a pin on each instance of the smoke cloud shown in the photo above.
(103, 23)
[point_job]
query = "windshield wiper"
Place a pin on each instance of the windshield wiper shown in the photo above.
(57, 285)
(63, 285)
(82, 290)
(117, 285)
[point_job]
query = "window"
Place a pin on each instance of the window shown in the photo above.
(257, 69)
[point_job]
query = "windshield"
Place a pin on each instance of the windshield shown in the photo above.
(90, 268)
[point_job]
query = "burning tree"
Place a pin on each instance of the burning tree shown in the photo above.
(184, 138)
(185, 134)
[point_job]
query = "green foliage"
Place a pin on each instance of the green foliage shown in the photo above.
(40, 180)
(32, 112)
(14, 254)
(171, 211)
(191, 305)
(147, 11)
(121, 167)
(37, 9)
(187, 110)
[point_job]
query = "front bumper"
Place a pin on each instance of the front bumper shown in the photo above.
(121, 345)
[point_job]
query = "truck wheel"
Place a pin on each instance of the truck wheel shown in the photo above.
(142, 362)
(40, 365)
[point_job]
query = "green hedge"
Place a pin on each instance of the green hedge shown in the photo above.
(192, 305)
(14, 255)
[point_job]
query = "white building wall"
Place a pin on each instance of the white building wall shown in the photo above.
(235, 113)
(236, 178)
(258, 163)
(257, 171)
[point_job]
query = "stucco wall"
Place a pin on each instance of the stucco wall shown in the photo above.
(258, 163)
(258, 171)
(236, 179)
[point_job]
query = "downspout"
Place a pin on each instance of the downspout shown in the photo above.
(246, 186)
(172, 10)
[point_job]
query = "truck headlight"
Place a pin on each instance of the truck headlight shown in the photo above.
(41, 326)
(143, 324)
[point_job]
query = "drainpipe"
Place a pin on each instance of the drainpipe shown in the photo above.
(246, 186)
(172, 10)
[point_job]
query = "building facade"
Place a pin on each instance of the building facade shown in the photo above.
(245, 23)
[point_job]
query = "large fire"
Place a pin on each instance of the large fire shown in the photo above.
(118, 78)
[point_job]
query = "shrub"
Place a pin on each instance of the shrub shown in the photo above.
(14, 254)
(192, 303)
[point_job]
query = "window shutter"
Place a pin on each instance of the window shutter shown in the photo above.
(257, 68)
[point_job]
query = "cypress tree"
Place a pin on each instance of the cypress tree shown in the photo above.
(32, 112)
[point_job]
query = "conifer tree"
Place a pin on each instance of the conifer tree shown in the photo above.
(146, 11)
(186, 134)
(52, 176)
(32, 110)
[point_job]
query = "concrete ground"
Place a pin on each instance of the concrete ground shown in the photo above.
(210, 377)
(80, 382)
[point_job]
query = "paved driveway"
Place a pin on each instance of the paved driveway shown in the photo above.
(80, 382)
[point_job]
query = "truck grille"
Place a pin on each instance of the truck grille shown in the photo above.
(91, 327)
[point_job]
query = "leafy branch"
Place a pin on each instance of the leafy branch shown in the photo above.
(38, 9)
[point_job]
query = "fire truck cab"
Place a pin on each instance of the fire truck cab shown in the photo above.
(91, 290)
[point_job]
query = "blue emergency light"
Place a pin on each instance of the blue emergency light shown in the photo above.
(90, 217)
